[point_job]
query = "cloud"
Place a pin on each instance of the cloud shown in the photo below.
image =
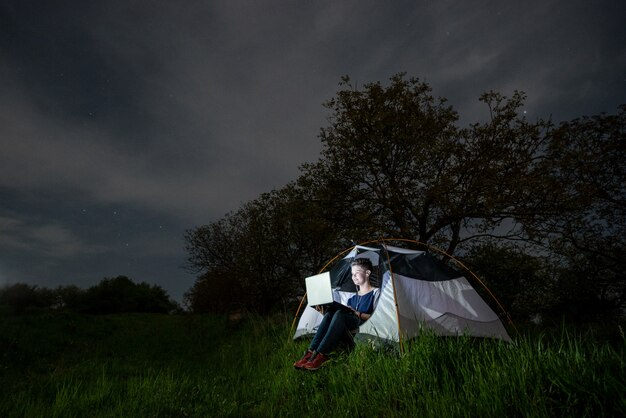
(192, 111)
(45, 239)
(209, 133)
(42, 153)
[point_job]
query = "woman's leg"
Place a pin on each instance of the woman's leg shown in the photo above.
(321, 330)
(340, 325)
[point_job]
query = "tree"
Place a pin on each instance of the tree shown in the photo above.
(522, 282)
(69, 297)
(20, 297)
(397, 164)
(120, 294)
(114, 295)
(255, 258)
(586, 163)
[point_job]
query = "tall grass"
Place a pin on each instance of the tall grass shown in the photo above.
(161, 366)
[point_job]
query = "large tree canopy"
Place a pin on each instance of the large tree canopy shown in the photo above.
(394, 158)
(395, 163)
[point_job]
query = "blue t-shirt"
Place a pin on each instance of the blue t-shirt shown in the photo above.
(363, 303)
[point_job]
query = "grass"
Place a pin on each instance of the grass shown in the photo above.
(66, 365)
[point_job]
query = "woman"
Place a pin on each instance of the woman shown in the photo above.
(338, 323)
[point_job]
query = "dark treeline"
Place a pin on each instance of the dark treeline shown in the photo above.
(536, 208)
(114, 295)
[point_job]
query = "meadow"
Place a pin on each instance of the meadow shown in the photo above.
(149, 365)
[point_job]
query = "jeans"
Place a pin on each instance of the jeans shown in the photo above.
(335, 325)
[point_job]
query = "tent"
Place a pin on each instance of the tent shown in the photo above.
(418, 292)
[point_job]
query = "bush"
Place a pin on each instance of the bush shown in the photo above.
(115, 295)
(120, 294)
(20, 297)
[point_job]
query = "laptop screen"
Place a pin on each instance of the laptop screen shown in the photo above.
(318, 289)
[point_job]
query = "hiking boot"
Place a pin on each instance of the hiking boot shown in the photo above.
(307, 356)
(316, 362)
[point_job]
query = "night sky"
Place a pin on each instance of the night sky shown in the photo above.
(124, 123)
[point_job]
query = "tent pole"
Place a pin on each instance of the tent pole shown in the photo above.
(395, 297)
(295, 318)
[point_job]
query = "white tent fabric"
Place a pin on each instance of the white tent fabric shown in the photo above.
(409, 305)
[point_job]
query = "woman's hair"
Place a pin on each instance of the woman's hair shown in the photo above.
(363, 262)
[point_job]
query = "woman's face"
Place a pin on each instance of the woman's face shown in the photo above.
(359, 275)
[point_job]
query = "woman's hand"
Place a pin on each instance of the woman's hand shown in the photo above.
(362, 316)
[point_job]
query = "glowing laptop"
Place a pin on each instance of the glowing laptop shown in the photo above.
(319, 292)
